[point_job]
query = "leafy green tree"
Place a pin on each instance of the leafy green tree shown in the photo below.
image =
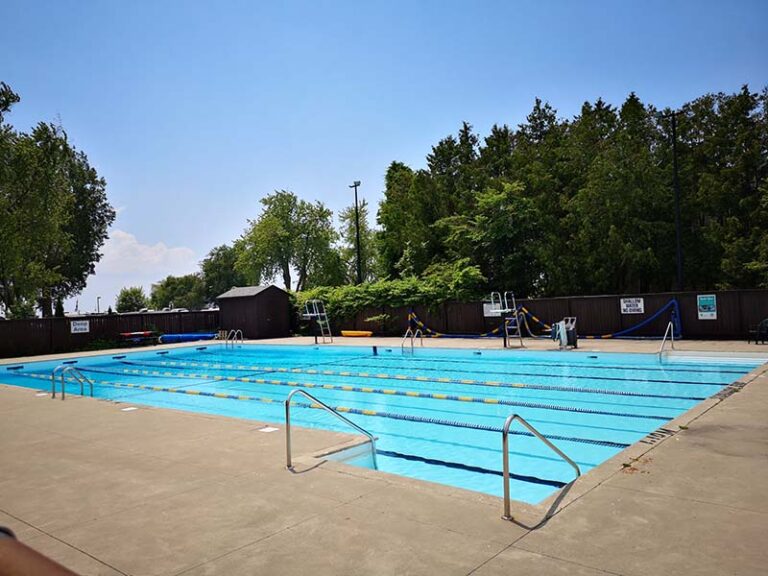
(219, 271)
(289, 235)
(186, 291)
(131, 299)
(498, 238)
(35, 204)
(625, 235)
(55, 214)
(396, 217)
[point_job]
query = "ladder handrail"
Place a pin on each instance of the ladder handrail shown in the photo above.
(412, 334)
(62, 370)
(505, 449)
(499, 302)
(324, 406)
(670, 330)
(506, 301)
(233, 337)
(408, 334)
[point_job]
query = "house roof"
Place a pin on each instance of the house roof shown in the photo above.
(243, 291)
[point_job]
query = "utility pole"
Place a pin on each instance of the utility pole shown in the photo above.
(676, 186)
(354, 185)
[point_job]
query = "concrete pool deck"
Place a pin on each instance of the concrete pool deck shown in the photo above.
(157, 491)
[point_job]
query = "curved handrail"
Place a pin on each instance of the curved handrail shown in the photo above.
(62, 370)
(327, 408)
(408, 334)
(412, 334)
(53, 381)
(671, 332)
(233, 337)
(505, 449)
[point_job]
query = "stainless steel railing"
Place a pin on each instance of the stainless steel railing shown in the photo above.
(411, 335)
(505, 449)
(62, 370)
(233, 337)
(670, 331)
(320, 404)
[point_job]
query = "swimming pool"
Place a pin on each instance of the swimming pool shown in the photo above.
(437, 413)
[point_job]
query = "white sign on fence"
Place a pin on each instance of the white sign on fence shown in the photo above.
(489, 311)
(79, 326)
(632, 305)
(706, 305)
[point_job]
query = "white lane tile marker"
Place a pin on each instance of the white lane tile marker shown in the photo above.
(268, 429)
(129, 409)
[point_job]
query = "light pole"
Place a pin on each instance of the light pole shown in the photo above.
(97, 304)
(676, 186)
(354, 185)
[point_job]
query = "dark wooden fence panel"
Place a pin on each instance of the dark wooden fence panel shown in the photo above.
(464, 317)
(53, 335)
(737, 311)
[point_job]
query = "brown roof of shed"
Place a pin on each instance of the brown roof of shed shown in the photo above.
(244, 291)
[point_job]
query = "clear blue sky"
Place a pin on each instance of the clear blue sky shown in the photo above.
(193, 111)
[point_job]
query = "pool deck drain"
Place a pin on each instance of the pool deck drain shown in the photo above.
(157, 491)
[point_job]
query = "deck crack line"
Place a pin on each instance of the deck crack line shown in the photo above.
(649, 449)
(258, 540)
(603, 570)
(696, 500)
(107, 564)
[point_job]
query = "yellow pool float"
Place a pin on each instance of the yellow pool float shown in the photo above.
(356, 333)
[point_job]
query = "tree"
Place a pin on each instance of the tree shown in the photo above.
(289, 235)
(179, 292)
(55, 214)
(36, 206)
(131, 299)
(219, 271)
(396, 217)
(499, 238)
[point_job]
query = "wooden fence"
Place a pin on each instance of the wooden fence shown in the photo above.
(53, 335)
(737, 311)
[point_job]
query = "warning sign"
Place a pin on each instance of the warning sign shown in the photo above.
(633, 306)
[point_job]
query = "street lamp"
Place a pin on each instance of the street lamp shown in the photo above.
(354, 185)
(676, 185)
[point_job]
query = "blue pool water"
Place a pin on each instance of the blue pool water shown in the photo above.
(437, 412)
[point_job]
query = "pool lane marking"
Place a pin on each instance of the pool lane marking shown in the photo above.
(397, 376)
(424, 395)
(349, 410)
(412, 394)
(493, 383)
(678, 367)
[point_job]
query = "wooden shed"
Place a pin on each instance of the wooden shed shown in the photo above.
(259, 311)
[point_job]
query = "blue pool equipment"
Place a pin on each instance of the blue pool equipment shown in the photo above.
(192, 337)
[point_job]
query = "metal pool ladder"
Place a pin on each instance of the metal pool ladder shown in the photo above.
(62, 370)
(233, 337)
(319, 404)
(505, 450)
(670, 331)
(412, 334)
